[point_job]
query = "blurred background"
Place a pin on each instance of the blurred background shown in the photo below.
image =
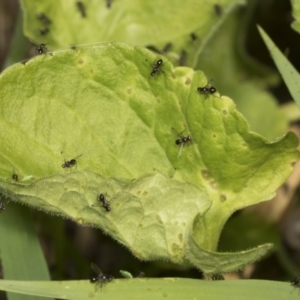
(69, 249)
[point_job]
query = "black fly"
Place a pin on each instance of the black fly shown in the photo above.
(140, 274)
(81, 9)
(70, 163)
(218, 10)
(15, 176)
(108, 3)
(101, 278)
(296, 284)
(166, 48)
(193, 36)
(44, 19)
(153, 49)
(182, 58)
(40, 48)
(156, 67)
(183, 140)
(43, 31)
(207, 90)
(104, 202)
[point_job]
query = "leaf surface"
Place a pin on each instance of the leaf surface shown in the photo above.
(133, 22)
(100, 106)
(151, 216)
(242, 79)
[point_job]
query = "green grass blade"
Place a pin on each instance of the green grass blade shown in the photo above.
(21, 254)
(165, 288)
(289, 74)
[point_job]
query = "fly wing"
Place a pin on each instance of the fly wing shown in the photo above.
(175, 132)
(96, 269)
(78, 156)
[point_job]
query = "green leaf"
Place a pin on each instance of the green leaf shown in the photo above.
(146, 288)
(134, 22)
(218, 263)
(289, 74)
(102, 102)
(296, 14)
(152, 216)
(194, 44)
(224, 61)
(220, 52)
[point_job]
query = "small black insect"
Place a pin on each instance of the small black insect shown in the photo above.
(206, 90)
(104, 202)
(15, 176)
(140, 274)
(43, 31)
(193, 36)
(218, 10)
(296, 284)
(183, 140)
(156, 67)
(108, 3)
(2, 206)
(101, 278)
(70, 163)
(81, 8)
(182, 58)
(44, 19)
(166, 48)
(153, 48)
(40, 48)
